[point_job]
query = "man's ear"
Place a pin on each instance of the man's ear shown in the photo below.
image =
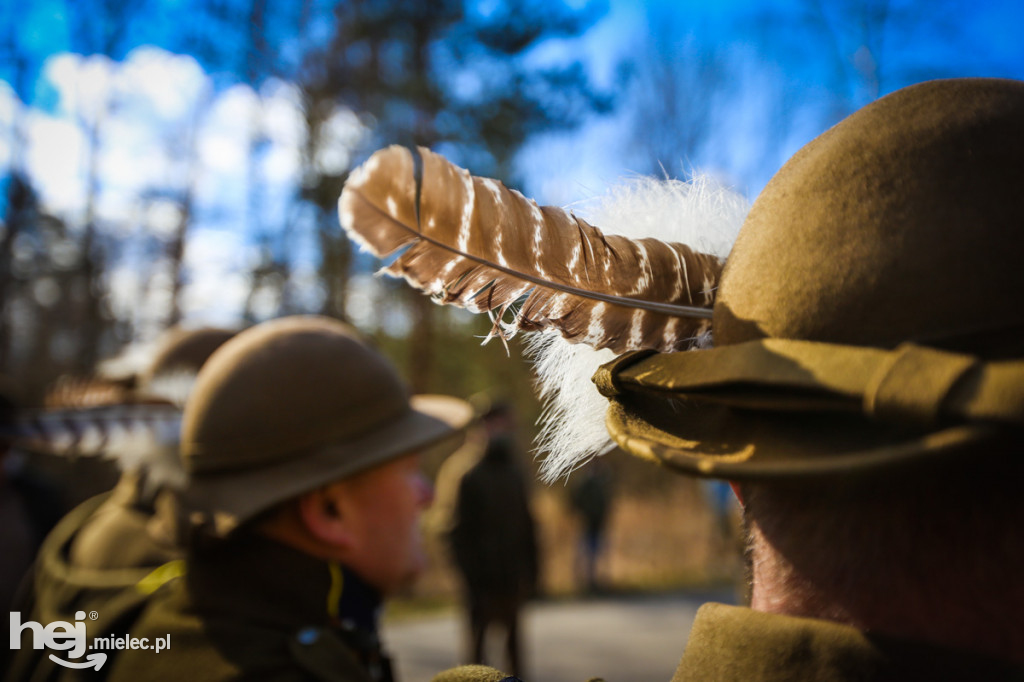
(322, 512)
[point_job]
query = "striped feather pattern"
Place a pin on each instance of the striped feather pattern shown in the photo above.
(137, 435)
(474, 243)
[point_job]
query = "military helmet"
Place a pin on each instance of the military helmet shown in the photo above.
(292, 404)
(869, 313)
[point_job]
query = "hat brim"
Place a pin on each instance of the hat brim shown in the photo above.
(777, 408)
(718, 441)
(226, 499)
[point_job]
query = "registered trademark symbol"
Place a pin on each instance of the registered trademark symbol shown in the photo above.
(93, 615)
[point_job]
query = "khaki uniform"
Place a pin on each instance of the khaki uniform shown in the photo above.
(251, 608)
(482, 673)
(61, 588)
(730, 643)
(735, 644)
(125, 531)
(473, 673)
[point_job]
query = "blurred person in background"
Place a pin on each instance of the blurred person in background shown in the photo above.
(493, 538)
(29, 507)
(727, 541)
(591, 498)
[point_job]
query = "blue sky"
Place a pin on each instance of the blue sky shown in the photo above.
(988, 43)
(785, 71)
(780, 61)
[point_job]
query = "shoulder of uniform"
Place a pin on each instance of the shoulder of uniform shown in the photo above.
(481, 673)
(473, 673)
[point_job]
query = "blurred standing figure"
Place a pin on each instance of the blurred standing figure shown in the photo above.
(28, 509)
(493, 539)
(727, 542)
(591, 497)
(18, 536)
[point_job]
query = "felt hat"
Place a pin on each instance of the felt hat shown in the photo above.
(292, 404)
(870, 312)
(182, 350)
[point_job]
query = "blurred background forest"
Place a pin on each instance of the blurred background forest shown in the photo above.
(170, 162)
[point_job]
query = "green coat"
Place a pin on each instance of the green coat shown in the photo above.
(251, 608)
(126, 530)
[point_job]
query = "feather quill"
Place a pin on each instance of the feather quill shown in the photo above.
(474, 243)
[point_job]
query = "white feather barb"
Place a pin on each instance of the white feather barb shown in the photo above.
(472, 242)
(699, 212)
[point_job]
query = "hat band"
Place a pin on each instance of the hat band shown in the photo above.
(910, 385)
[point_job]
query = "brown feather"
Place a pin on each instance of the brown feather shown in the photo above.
(474, 243)
(84, 392)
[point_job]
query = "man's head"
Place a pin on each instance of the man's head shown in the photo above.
(929, 553)
(865, 383)
(298, 427)
(368, 521)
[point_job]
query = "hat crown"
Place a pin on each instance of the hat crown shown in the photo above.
(284, 389)
(184, 350)
(894, 225)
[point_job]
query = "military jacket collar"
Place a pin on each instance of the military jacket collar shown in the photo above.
(295, 589)
(252, 578)
(729, 643)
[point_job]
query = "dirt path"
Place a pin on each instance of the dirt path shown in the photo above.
(622, 639)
